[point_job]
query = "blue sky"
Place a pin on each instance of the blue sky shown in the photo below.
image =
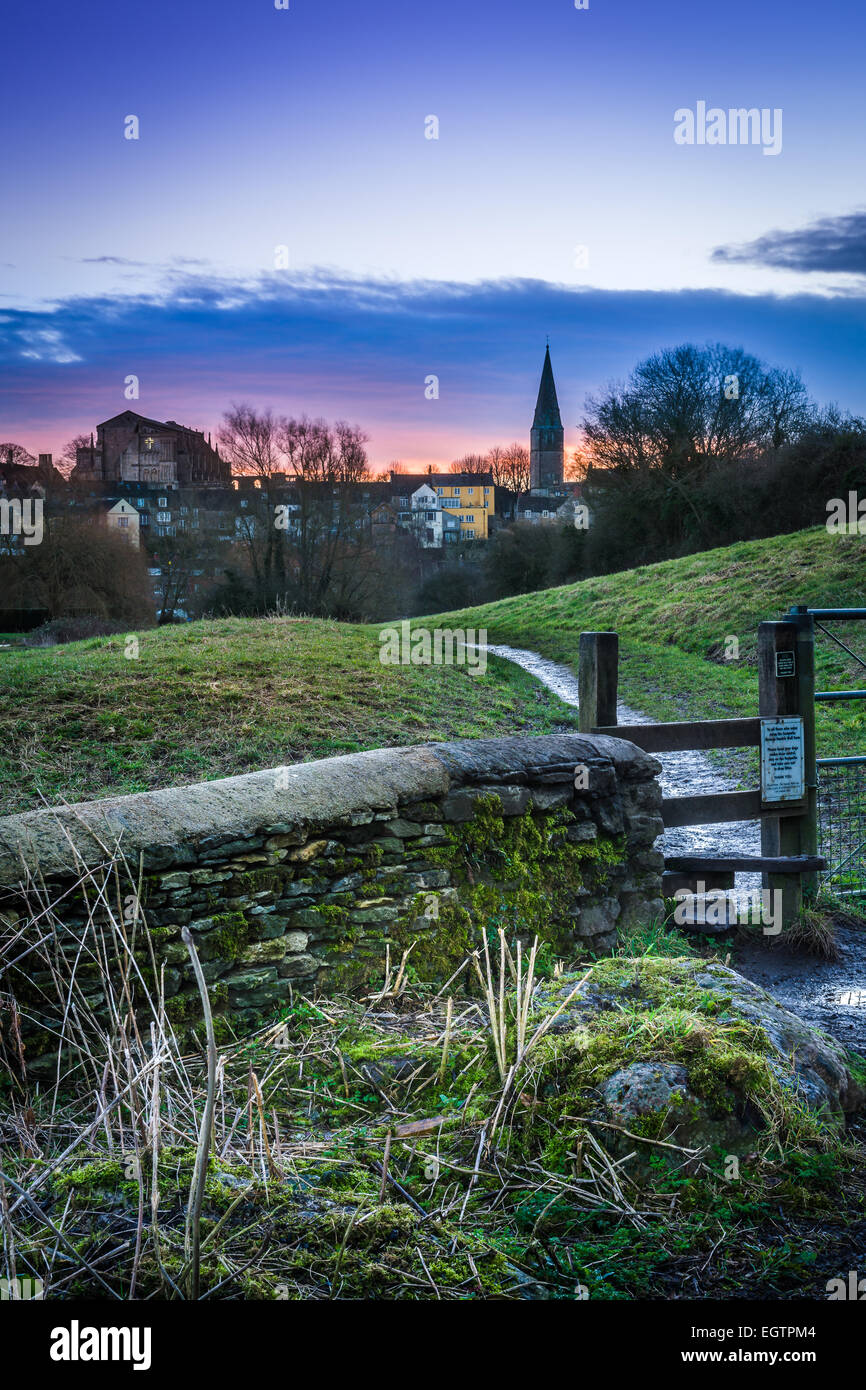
(262, 128)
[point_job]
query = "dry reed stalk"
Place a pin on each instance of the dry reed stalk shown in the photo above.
(192, 1236)
(447, 1040)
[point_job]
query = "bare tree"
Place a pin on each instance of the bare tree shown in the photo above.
(327, 463)
(514, 468)
(250, 440)
(470, 463)
(69, 453)
(15, 455)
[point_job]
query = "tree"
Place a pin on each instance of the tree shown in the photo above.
(474, 464)
(518, 558)
(304, 525)
(15, 455)
(69, 453)
(514, 469)
(670, 452)
(80, 568)
(687, 407)
(250, 440)
(327, 463)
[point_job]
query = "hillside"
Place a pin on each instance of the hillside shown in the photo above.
(673, 619)
(213, 699)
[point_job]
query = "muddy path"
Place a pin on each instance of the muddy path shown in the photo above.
(829, 994)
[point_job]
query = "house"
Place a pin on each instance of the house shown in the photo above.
(469, 499)
(536, 509)
(123, 518)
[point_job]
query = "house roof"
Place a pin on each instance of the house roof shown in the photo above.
(410, 482)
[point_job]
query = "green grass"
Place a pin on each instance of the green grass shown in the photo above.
(213, 699)
(673, 620)
(218, 698)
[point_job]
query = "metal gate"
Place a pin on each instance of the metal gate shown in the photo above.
(841, 781)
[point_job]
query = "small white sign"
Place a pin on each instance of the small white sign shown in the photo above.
(782, 761)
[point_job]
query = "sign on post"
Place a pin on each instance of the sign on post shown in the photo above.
(782, 761)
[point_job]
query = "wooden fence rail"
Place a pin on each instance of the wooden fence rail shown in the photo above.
(786, 684)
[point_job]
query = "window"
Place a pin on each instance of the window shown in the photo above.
(163, 516)
(144, 519)
(123, 521)
(184, 511)
(163, 502)
(470, 535)
(403, 502)
(141, 501)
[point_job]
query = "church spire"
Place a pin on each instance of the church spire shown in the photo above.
(547, 438)
(547, 416)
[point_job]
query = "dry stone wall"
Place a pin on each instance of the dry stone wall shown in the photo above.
(308, 877)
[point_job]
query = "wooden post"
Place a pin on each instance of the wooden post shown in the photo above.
(806, 682)
(597, 677)
(780, 695)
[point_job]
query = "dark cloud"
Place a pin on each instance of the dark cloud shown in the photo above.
(832, 244)
(359, 348)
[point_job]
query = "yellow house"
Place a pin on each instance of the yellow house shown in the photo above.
(469, 496)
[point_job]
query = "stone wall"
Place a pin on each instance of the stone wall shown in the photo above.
(307, 877)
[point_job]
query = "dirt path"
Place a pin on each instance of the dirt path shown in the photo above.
(829, 994)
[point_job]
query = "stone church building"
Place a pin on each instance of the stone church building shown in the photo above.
(131, 448)
(547, 438)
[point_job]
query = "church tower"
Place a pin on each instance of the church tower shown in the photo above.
(547, 439)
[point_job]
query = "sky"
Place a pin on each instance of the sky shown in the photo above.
(284, 232)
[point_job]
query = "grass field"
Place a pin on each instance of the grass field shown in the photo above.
(674, 618)
(212, 699)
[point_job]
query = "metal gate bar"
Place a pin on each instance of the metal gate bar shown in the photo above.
(842, 823)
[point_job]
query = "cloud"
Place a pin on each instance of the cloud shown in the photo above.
(109, 260)
(834, 244)
(360, 348)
